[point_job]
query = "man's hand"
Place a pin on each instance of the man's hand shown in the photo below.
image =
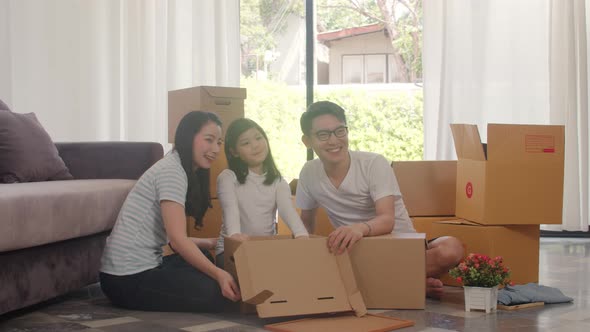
(240, 237)
(229, 288)
(344, 237)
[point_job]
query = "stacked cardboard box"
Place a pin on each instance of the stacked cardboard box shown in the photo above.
(428, 190)
(288, 277)
(503, 197)
(228, 104)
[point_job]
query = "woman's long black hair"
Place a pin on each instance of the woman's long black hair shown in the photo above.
(198, 199)
(237, 165)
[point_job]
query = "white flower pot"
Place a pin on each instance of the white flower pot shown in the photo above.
(481, 298)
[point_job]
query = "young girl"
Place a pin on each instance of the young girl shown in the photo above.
(252, 189)
(133, 274)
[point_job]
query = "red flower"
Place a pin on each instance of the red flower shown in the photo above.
(481, 271)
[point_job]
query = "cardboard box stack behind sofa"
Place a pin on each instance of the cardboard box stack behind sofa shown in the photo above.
(501, 197)
(228, 104)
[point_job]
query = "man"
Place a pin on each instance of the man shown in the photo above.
(359, 192)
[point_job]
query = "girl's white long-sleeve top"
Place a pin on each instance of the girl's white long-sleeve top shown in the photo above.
(251, 208)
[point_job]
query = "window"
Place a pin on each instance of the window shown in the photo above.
(367, 68)
(352, 69)
(375, 68)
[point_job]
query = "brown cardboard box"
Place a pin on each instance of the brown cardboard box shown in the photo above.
(520, 181)
(424, 224)
(288, 277)
(390, 270)
(323, 227)
(211, 222)
(216, 168)
(428, 187)
(227, 103)
(517, 244)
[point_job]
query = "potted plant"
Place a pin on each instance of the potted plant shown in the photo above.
(481, 276)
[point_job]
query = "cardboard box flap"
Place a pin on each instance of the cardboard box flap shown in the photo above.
(458, 222)
(301, 277)
(467, 142)
(530, 143)
(225, 92)
(355, 297)
(428, 187)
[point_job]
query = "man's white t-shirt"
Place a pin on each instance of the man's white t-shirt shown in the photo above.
(369, 178)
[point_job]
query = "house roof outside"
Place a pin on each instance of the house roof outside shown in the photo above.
(349, 32)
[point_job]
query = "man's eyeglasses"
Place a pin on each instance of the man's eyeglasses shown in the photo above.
(324, 135)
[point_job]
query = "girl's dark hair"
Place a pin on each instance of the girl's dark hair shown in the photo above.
(198, 199)
(237, 165)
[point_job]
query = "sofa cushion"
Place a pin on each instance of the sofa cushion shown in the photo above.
(45, 212)
(3, 106)
(27, 153)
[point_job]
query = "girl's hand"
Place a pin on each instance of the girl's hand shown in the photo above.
(205, 243)
(229, 288)
(210, 243)
(240, 237)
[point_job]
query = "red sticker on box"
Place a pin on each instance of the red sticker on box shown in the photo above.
(539, 144)
(469, 189)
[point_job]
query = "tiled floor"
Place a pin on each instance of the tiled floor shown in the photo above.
(564, 263)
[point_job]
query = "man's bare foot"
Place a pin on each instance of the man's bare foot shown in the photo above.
(434, 288)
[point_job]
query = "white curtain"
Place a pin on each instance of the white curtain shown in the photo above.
(101, 69)
(506, 61)
(569, 105)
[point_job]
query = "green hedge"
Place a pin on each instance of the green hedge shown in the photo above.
(387, 122)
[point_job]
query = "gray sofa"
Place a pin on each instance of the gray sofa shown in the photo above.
(53, 232)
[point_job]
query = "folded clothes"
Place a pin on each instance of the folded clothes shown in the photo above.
(519, 294)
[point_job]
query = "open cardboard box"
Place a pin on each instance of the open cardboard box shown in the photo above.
(517, 244)
(389, 271)
(520, 181)
(289, 277)
(428, 187)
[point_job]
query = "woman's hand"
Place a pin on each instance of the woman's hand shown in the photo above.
(240, 237)
(229, 287)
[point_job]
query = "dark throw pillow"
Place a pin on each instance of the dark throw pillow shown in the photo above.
(27, 153)
(3, 106)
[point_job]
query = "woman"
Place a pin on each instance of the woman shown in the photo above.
(134, 275)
